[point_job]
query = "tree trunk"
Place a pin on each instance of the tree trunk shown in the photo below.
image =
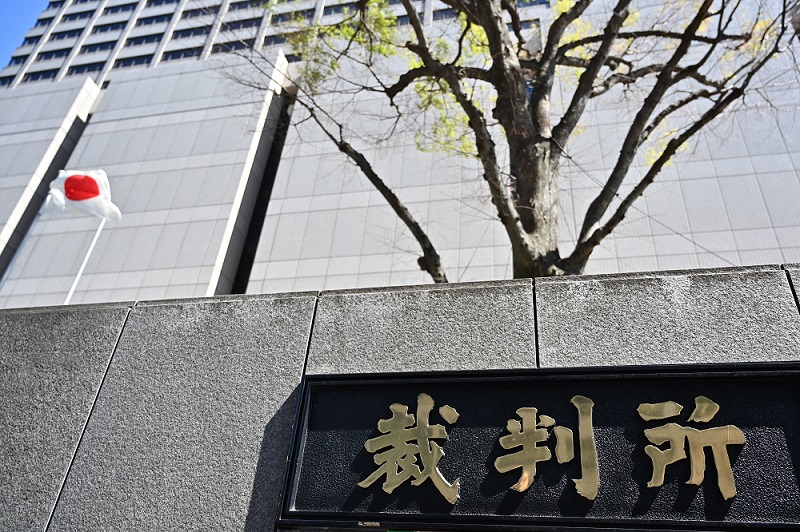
(537, 203)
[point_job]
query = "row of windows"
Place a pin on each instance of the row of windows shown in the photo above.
(61, 35)
(194, 13)
(85, 69)
(18, 60)
(105, 28)
(133, 61)
(77, 16)
(241, 24)
(158, 19)
(235, 6)
(341, 8)
(98, 47)
(231, 46)
(53, 54)
(191, 32)
(153, 3)
(42, 74)
(124, 8)
(444, 14)
(182, 54)
(306, 14)
(146, 39)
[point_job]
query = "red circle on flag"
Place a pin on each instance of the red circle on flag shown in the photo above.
(81, 187)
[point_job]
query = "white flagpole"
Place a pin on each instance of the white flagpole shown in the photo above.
(85, 260)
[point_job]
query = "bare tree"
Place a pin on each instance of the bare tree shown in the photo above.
(488, 88)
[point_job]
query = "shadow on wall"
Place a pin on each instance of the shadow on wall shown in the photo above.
(268, 483)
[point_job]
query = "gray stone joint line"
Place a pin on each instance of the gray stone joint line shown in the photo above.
(88, 417)
(311, 332)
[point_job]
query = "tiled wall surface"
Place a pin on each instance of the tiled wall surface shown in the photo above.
(40, 125)
(176, 415)
(731, 198)
(180, 148)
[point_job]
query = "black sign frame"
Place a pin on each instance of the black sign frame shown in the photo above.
(291, 518)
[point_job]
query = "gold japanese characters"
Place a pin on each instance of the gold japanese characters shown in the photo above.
(410, 447)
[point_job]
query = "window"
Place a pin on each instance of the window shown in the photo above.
(158, 19)
(82, 2)
(61, 35)
(283, 17)
(271, 40)
(147, 39)
(77, 16)
(5, 81)
(182, 54)
(30, 40)
(53, 54)
(341, 8)
(235, 6)
(104, 28)
(99, 47)
(445, 14)
(44, 74)
(193, 13)
(526, 25)
(154, 3)
(133, 61)
(43, 22)
(526, 3)
(293, 58)
(55, 4)
(232, 46)
(240, 24)
(85, 69)
(191, 32)
(20, 59)
(124, 8)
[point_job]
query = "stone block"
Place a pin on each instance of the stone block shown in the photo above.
(52, 363)
(191, 428)
(470, 326)
(681, 317)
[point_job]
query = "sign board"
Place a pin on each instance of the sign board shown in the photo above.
(657, 448)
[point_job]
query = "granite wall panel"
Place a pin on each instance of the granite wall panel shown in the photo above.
(52, 363)
(191, 428)
(681, 317)
(467, 326)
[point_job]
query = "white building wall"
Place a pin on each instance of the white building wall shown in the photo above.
(40, 127)
(732, 198)
(180, 151)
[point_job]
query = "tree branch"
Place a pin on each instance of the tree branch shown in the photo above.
(430, 260)
(586, 82)
(633, 139)
(630, 35)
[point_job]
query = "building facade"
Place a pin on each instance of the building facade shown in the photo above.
(213, 205)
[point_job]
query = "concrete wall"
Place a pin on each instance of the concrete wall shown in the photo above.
(176, 415)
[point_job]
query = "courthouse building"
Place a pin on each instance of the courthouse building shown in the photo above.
(662, 400)
(212, 203)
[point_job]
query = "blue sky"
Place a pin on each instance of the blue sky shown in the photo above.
(16, 18)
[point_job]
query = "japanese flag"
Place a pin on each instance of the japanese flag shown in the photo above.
(87, 192)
